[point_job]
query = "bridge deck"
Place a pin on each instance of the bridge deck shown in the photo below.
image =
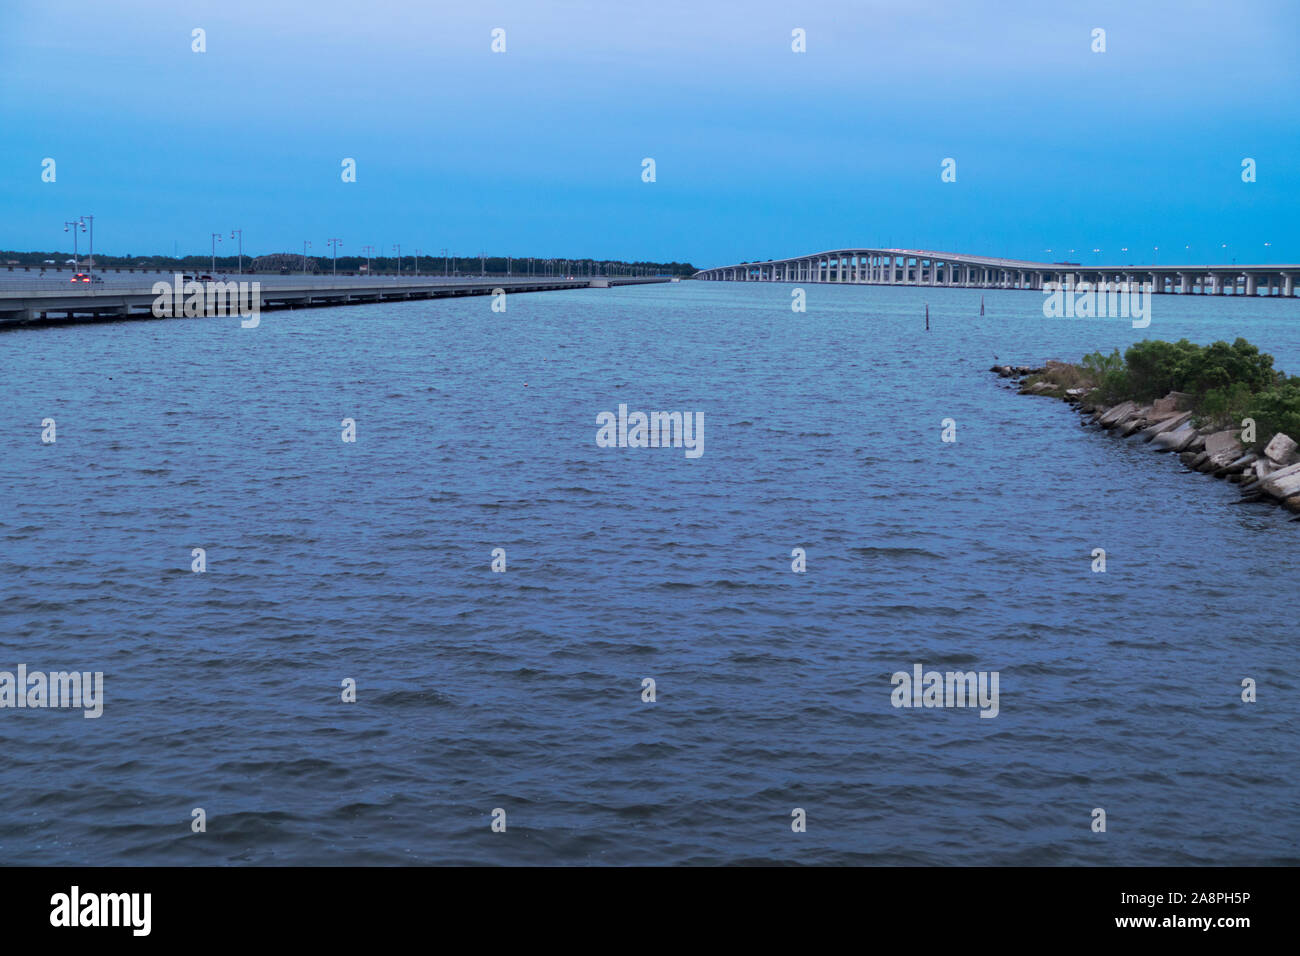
(922, 267)
(135, 296)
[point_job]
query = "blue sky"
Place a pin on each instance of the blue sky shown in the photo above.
(760, 152)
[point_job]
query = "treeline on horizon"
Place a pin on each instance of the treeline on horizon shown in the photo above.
(465, 265)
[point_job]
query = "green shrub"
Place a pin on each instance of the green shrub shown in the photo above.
(1100, 365)
(1226, 405)
(1276, 409)
(1221, 366)
(1107, 375)
(1226, 382)
(1154, 367)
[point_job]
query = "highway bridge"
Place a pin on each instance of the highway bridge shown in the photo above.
(922, 267)
(25, 300)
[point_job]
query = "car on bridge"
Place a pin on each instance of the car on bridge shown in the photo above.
(86, 277)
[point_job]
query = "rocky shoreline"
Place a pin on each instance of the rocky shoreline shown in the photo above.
(1270, 474)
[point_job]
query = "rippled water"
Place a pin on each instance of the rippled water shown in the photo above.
(522, 690)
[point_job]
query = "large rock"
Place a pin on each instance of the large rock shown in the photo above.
(1118, 413)
(1281, 449)
(1175, 440)
(1284, 483)
(1168, 424)
(1234, 468)
(1222, 447)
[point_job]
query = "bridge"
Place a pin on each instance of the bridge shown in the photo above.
(24, 301)
(922, 267)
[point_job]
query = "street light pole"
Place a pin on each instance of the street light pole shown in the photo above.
(445, 268)
(306, 244)
(75, 225)
(240, 234)
(398, 249)
(335, 244)
(91, 259)
(216, 237)
(367, 250)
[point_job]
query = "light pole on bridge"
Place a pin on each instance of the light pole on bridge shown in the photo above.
(216, 237)
(74, 225)
(240, 234)
(335, 244)
(90, 260)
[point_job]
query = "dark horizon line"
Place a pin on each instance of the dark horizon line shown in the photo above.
(135, 260)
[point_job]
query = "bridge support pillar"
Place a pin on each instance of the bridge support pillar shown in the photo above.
(1288, 285)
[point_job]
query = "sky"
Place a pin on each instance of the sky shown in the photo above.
(759, 151)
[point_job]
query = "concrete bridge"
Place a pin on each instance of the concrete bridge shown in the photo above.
(33, 301)
(921, 267)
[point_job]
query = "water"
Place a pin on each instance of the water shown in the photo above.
(522, 690)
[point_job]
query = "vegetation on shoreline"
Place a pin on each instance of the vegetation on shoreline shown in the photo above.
(1223, 383)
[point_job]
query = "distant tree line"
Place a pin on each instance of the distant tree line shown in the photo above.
(387, 265)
